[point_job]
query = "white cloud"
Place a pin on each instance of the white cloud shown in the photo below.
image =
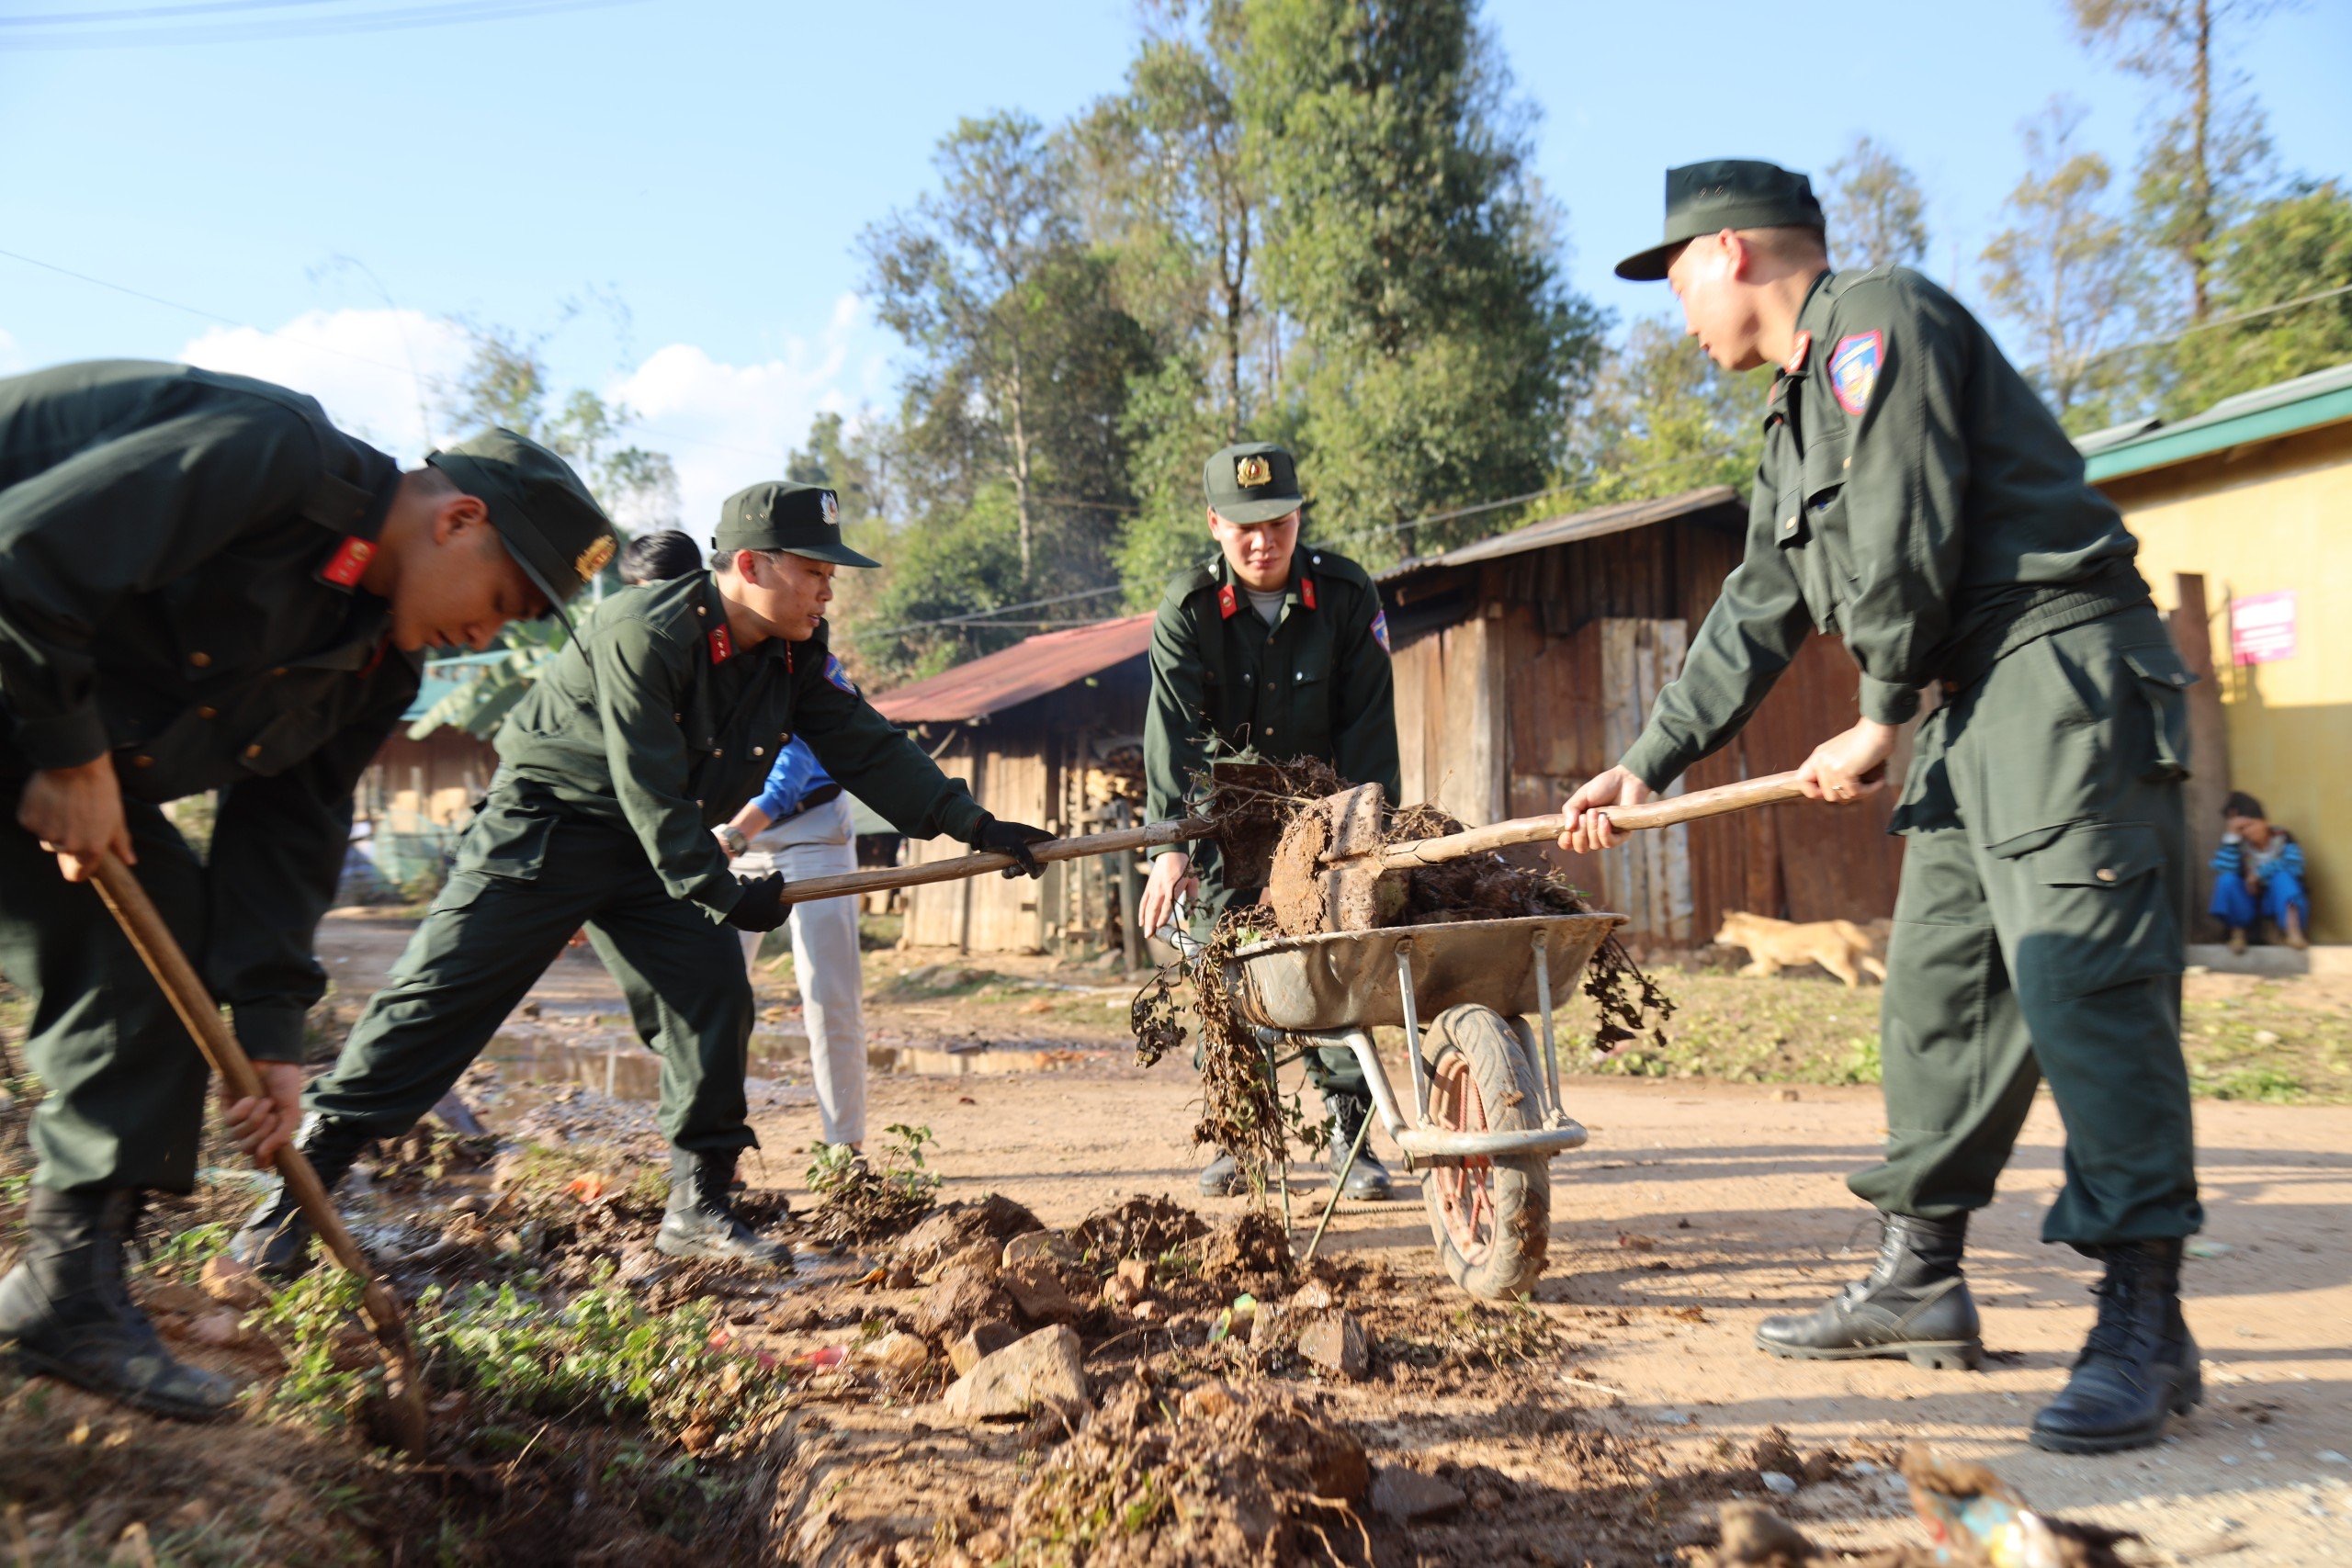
(727, 425)
(12, 358)
(382, 375)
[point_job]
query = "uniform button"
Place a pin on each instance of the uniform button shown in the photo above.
(252, 751)
(677, 719)
(143, 762)
(785, 739)
(1846, 463)
(701, 609)
(2103, 875)
(718, 751)
(759, 750)
(201, 660)
(697, 805)
(208, 713)
(1788, 525)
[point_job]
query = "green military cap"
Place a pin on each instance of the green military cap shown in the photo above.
(1724, 192)
(1253, 482)
(552, 525)
(782, 515)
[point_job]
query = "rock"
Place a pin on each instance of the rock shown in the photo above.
(1312, 1296)
(226, 1280)
(641, 1265)
(471, 1204)
(979, 1342)
(1778, 1484)
(171, 1296)
(1135, 1273)
(901, 1353)
(899, 1277)
(1405, 1494)
(221, 1330)
(1042, 1370)
(1037, 1290)
(1754, 1534)
(995, 1218)
(2266, 1037)
(1334, 1341)
(979, 1258)
(1786, 1096)
(1044, 1247)
(1207, 1403)
(958, 1303)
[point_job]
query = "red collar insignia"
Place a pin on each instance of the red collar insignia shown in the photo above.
(722, 647)
(1797, 351)
(349, 562)
(1307, 592)
(1227, 601)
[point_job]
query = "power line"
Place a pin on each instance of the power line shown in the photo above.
(981, 617)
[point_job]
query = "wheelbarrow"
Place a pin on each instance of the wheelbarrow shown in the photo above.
(1486, 1115)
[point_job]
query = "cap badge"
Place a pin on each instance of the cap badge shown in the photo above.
(829, 508)
(1252, 471)
(592, 559)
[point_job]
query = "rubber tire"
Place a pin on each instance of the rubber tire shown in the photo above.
(1510, 1088)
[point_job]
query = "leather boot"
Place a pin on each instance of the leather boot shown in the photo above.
(701, 1222)
(1220, 1177)
(2139, 1367)
(1913, 1304)
(1367, 1179)
(276, 1238)
(67, 1307)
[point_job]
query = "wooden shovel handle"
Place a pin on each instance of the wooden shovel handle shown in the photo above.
(855, 881)
(1741, 797)
(161, 952)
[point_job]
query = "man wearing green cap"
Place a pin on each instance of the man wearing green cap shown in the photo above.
(1279, 653)
(1916, 498)
(207, 587)
(648, 732)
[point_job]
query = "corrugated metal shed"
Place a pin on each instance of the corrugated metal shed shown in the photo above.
(1030, 668)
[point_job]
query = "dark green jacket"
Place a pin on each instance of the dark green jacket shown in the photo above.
(1916, 497)
(180, 557)
(650, 720)
(1317, 685)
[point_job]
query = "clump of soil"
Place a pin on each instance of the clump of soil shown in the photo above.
(1211, 1477)
(1147, 1226)
(1252, 1254)
(995, 1219)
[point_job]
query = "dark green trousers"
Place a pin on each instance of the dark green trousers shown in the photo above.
(528, 874)
(2037, 937)
(124, 1100)
(1333, 1069)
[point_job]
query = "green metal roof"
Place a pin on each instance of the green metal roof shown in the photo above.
(2307, 402)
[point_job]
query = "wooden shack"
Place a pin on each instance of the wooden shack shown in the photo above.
(1049, 731)
(1528, 662)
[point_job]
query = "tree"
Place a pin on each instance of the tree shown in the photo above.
(1436, 346)
(2210, 154)
(1877, 214)
(2068, 271)
(1662, 418)
(2293, 246)
(506, 383)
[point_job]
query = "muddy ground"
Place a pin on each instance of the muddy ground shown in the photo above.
(1604, 1422)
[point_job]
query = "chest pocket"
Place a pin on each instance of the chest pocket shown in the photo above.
(1309, 705)
(1823, 549)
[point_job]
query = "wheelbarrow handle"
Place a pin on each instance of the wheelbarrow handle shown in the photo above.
(1724, 798)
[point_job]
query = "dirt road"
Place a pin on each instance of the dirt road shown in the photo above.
(1697, 1209)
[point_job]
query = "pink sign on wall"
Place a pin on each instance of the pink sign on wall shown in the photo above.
(2262, 628)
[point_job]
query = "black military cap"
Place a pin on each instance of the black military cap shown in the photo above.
(551, 524)
(1254, 482)
(1726, 193)
(782, 515)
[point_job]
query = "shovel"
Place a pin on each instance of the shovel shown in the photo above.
(1332, 873)
(145, 926)
(850, 882)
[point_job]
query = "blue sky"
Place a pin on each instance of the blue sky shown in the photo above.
(708, 164)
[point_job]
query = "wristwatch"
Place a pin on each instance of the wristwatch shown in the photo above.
(730, 839)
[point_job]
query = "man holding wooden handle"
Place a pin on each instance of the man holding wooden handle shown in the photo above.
(651, 728)
(207, 586)
(1918, 500)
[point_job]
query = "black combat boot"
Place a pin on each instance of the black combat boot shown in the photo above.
(1914, 1303)
(2138, 1368)
(66, 1306)
(1220, 1177)
(701, 1222)
(275, 1239)
(1367, 1178)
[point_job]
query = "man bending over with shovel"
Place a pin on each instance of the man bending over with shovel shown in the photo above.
(1285, 654)
(204, 585)
(651, 728)
(1917, 498)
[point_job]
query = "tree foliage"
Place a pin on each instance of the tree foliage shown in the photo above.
(1877, 213)
(1663, 418)
(2291, 248)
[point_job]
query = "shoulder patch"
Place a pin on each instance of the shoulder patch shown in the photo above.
(839, 676)
(1853, 370)
(1380, 629)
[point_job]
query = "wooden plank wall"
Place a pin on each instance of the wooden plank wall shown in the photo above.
(1452, 706)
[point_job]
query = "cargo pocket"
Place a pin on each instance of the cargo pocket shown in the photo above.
(2097, 909)
(2164, 684)
(508, 839)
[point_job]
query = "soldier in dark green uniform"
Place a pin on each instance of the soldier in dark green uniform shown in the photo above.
(1918, 500)
(204, 585)
(1280, 652)
(650, 730)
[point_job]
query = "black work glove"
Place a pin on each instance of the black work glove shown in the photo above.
(1012, 839)
(761, 907)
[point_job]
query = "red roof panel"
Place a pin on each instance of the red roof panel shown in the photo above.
(1032, 668)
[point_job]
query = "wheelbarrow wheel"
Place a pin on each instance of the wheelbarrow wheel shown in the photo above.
(1491, 1216)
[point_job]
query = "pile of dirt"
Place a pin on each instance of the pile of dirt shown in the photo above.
(1146, 1226)
(993, 1218)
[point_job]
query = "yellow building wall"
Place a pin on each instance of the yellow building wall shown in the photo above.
(2271, 517)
